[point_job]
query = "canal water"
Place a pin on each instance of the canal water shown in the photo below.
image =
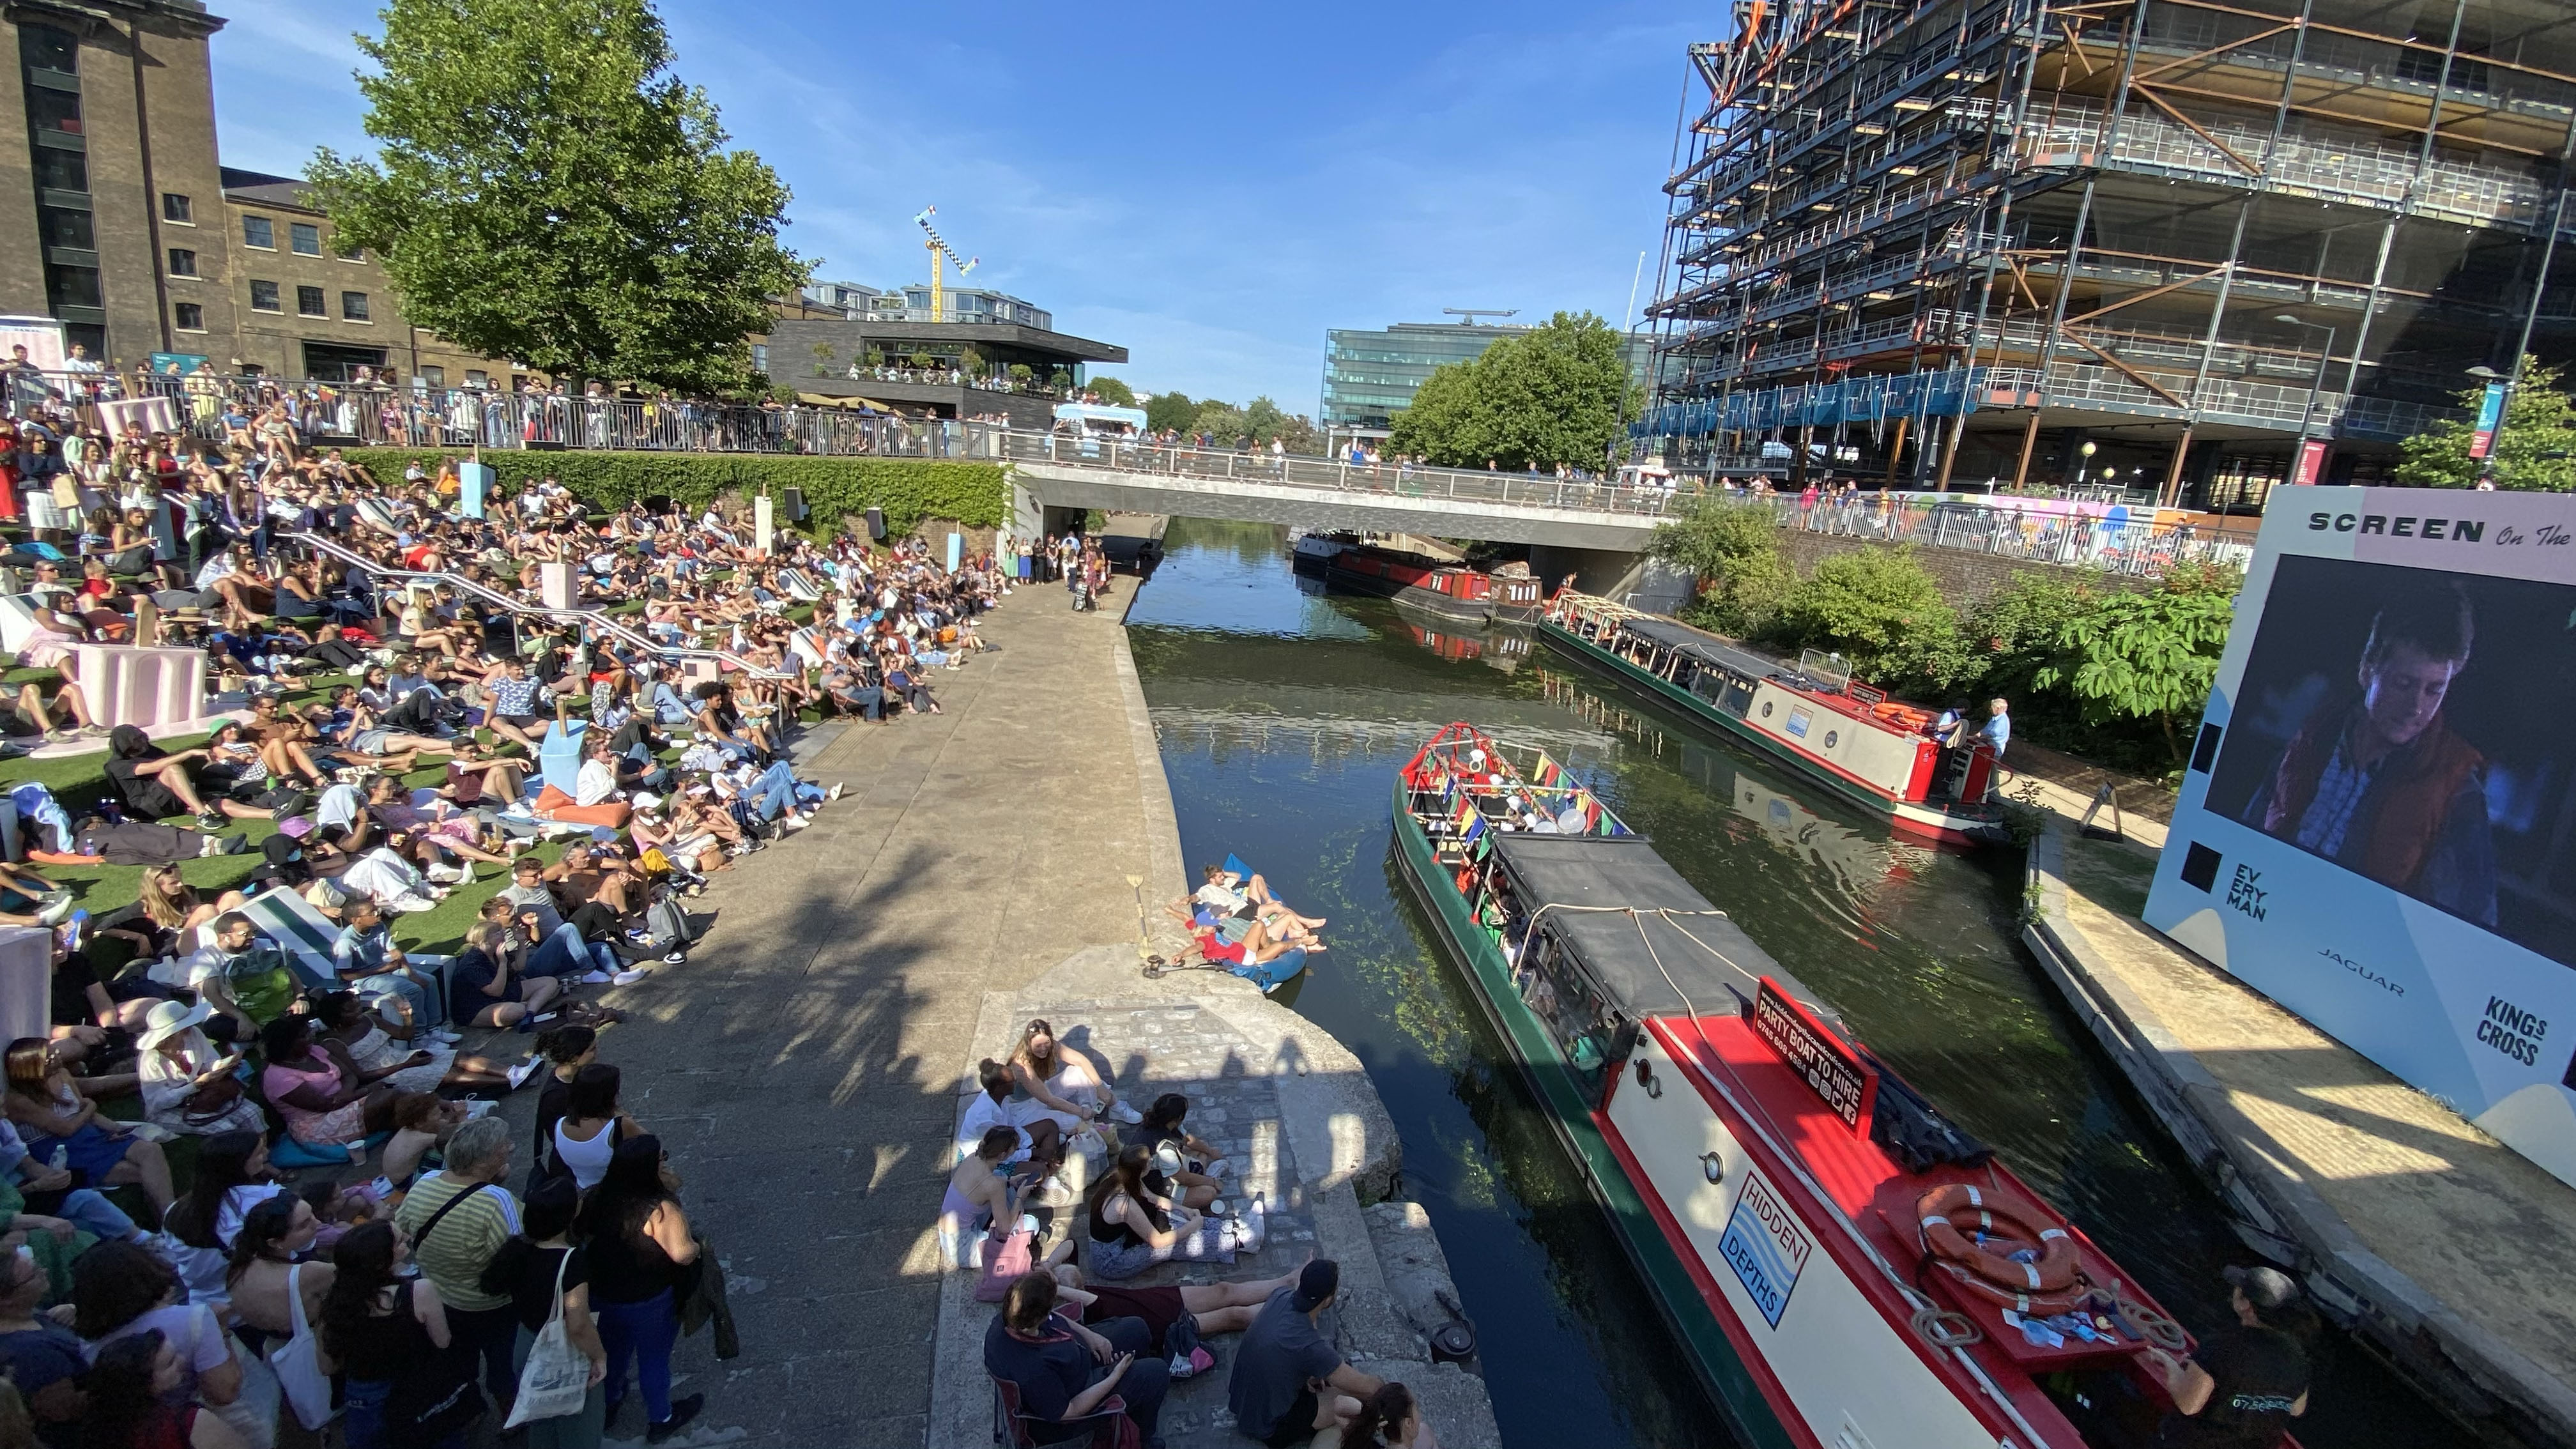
(1283, 715)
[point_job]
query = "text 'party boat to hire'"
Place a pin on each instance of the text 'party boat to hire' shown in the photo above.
(1845, 1267)
(1847, 735)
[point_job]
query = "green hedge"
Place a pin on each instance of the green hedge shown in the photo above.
(908, 489)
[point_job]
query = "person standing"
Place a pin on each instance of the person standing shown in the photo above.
(640, 1248)
(457, 1220)
(1998, 728)
(2249, 1379)
(1289, 1381)
(533, 1269)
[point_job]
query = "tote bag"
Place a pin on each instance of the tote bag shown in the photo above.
(297, 1363)
(556, 1380)
(1008, 1253)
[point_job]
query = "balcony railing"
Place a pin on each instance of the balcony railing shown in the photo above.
(2123, 542)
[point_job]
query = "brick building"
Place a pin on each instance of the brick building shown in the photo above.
(117, 218)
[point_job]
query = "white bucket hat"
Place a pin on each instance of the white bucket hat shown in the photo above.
(167, 1019)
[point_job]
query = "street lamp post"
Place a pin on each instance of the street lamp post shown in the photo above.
(2316, 384)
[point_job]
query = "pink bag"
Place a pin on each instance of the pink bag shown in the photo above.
(1006, 1257)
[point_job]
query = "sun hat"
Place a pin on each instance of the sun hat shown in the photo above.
(167, 1019)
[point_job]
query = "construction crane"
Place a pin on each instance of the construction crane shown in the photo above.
(939, 248)
(1467, 315)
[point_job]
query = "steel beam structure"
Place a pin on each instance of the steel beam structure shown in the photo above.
(1918, 240)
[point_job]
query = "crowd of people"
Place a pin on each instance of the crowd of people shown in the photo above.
(1078, 1338)
(409, 725)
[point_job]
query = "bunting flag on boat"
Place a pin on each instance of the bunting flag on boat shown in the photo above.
(1548, 772)
(1466, 817)
(1473, 828)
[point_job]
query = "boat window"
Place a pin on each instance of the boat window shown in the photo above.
(1554, 985)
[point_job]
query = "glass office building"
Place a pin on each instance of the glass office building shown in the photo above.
(1370, 376)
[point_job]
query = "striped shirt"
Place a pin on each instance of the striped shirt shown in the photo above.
(458, 1249)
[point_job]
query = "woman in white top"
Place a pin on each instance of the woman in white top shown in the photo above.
(188, 1086)
(592, 1126)
(197, 1233)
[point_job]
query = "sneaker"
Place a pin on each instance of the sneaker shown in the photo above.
(682, 1411)
(834, 793)
(519, 1074)
(210, 845)
(450, 874)
(629, 978)
(1251, 1228)
(93, 732)
(1220, 1169)
(793, 822)
(1198, 1362)
(56, 909)
(1126, 1114)
(479, 1107)
(677, 955)
(212, 820)
(408, 903)
(443, 1036)
(594, 977)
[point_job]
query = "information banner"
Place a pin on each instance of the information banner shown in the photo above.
(2490, 418)
(2377, 827)
(2312, 459)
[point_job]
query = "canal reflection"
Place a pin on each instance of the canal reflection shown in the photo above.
(1283, 715)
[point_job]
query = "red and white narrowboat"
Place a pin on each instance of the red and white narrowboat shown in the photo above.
(1846, 1268)
(1870, 749)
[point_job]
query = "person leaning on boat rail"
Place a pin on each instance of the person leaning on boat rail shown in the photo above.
(2250, 1378)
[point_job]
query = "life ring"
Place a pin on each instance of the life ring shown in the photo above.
(1945, 1211)
(2029, 1305)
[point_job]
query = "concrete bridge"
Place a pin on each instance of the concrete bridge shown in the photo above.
(1052, 471)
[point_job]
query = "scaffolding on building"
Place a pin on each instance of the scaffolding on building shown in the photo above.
(2148, 244)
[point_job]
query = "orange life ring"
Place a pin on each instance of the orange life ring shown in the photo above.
(1948, 1210)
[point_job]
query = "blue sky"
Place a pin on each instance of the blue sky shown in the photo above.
(1211, 188)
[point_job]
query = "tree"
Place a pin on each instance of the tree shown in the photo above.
(547, 190)
(1221, 421)
(1170, 410)
(1115, 393)
(1734, 552)
(2536, 449)
(1552, 395)
(973, 361)
(2147, 654)
(1021, 372)
(1878, 607)
(823, 356)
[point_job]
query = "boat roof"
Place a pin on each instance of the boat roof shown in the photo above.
(1701, 645)
(1650, 963)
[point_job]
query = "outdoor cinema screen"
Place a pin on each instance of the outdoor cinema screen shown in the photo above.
(2378, 825)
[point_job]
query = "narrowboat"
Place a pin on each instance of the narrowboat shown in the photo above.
(1452, 591)
(1870, 749)
(1845, 1267)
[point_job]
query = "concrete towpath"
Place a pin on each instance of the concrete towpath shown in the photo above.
(801, 1067)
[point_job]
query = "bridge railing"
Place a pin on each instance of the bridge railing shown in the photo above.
(2128, 542)
(1383, 479)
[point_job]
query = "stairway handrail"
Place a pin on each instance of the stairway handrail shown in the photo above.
(592, 617)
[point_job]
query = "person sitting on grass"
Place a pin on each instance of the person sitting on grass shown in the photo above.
(371, 964)
(369, 1040)
(512, 697)
(154, 784)
(324, 1103)
(56, 1114)
(488, 977)
(242, 974)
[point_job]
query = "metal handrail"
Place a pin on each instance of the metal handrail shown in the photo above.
(591, 617)
(1384, 479)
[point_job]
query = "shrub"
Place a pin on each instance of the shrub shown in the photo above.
(908, 489)
(1880, 608)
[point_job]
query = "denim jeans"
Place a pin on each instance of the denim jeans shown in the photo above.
(564, 953)
(364, 1422)
(413, 993)
(91, 1212)
(776, 790)
(644, 1331)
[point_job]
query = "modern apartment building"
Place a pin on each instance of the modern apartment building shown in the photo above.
(2150, 245)
(1370, 375)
